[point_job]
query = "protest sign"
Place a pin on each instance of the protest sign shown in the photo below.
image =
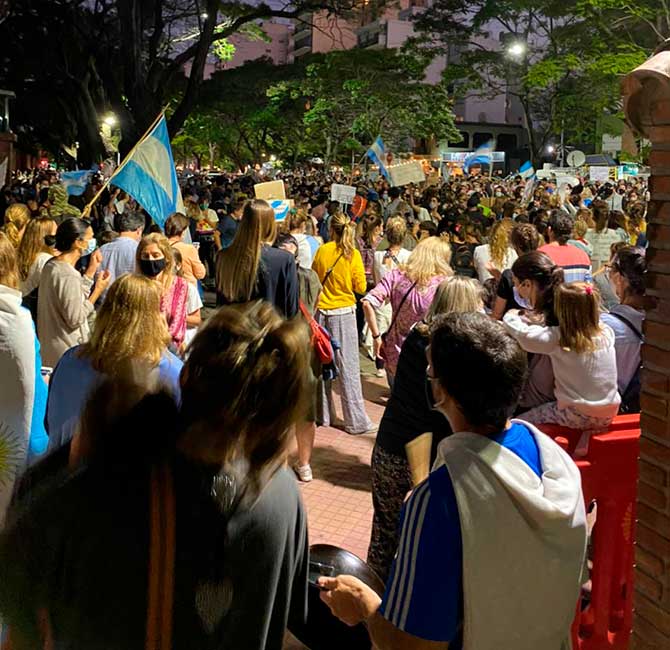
(599, 174)
(343, 193)
(270, 190)
(569, 180)
(406, 173)
(281, 208)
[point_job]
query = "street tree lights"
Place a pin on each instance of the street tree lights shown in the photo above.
(517, 49)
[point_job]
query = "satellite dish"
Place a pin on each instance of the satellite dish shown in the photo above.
(576, 158)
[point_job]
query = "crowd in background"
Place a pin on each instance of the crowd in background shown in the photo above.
(561, 270)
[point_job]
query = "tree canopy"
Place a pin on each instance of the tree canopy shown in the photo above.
(72, 61)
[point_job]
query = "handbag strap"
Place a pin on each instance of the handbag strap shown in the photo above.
(330, 270)
(305, 312)
(161, 559)
(630, 325)
(397, 311)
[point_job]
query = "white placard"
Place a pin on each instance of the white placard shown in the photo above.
(345, 194)
(570, 180)
(599, 173)
(406, 173)
(270, 191)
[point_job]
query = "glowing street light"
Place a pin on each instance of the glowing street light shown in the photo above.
(551, 148)
(111, 120)
(204, 16)
(517, 49)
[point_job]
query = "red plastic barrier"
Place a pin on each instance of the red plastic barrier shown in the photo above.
(609, 475)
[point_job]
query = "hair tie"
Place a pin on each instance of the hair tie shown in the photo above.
(589, 290)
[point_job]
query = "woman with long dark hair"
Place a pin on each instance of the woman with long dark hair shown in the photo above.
(250, 269)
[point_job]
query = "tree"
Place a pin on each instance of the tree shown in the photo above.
(81, 58)
(352, 97)
(560, 60)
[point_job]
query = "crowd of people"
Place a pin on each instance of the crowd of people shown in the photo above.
(489, 306)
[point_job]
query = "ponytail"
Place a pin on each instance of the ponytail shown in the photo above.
(344, 234)
(540, 269)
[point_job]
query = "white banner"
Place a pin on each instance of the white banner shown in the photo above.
(345, 194)
(406, 173)
(599, 173)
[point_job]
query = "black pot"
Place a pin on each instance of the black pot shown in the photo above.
(323, 631)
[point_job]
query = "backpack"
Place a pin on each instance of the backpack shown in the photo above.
(630, 400)
(463, 261)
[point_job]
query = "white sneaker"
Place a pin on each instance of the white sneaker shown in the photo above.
(303, 472)
(380, 372)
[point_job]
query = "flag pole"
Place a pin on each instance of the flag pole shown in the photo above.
(87, 208)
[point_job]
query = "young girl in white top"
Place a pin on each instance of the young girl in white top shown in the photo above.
(583, 358)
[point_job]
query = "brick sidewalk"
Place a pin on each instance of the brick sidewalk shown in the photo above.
(339, 500)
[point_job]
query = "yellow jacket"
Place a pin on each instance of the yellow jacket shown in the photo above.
(347, 277)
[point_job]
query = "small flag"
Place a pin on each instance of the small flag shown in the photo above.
(281, 208)
(75, 182)
(483, 155)
(377, 154)
(148, 174)
(526, 170)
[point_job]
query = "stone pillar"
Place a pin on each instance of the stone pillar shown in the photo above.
(647, 106)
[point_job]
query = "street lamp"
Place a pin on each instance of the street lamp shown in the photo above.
(517, 49)
(551, 148)
(111, 120)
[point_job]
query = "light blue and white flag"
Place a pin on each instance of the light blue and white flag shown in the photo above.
(149, 175)
(377, 154)
(281, 208)
(483, 155)
(75, 182)
(527, 170)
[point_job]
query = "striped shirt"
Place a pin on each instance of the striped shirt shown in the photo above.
(424, 593)
(574, 261)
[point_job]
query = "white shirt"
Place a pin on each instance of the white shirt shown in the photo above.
(32, 282)
(193, 303)
(482, 258)
(585, 382)
(379, 269)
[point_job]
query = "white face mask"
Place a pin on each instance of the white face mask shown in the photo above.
(522, 302)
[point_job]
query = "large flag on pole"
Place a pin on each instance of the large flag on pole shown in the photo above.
(483, 155)
(377, 154)
(75, 182)
(148, 174)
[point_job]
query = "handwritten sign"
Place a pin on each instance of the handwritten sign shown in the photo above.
(343, 193)
(599, 173)
(406, 173)
(270, 190)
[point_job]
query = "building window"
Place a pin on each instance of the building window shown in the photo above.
(506, 142)
(463, 143)
(478, 139)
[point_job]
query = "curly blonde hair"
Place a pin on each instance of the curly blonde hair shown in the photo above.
(429, 259)
(168, 252)
(17, 216)
(499, 241)
(129, 326)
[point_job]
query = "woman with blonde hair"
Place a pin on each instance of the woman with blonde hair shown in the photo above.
(35, 250)
(17, 216)
(227, 518)
(340, 269)
(408, 414)
(579, 230)
(250, 269)
(498, 254)
(410, 290)
(180, 302)
(129, 328)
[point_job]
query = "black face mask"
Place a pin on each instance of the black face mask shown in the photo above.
(151, 268)
(430, 399)
(50, 241)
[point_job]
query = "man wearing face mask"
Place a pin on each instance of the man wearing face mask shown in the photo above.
(497, 533)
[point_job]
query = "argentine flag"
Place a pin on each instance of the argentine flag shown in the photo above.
(526, 170)
(149, 176)
(483, 155)
(377, 154)
(75, 182)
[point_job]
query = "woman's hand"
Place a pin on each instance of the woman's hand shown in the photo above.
(94, 263)
(377, 347)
